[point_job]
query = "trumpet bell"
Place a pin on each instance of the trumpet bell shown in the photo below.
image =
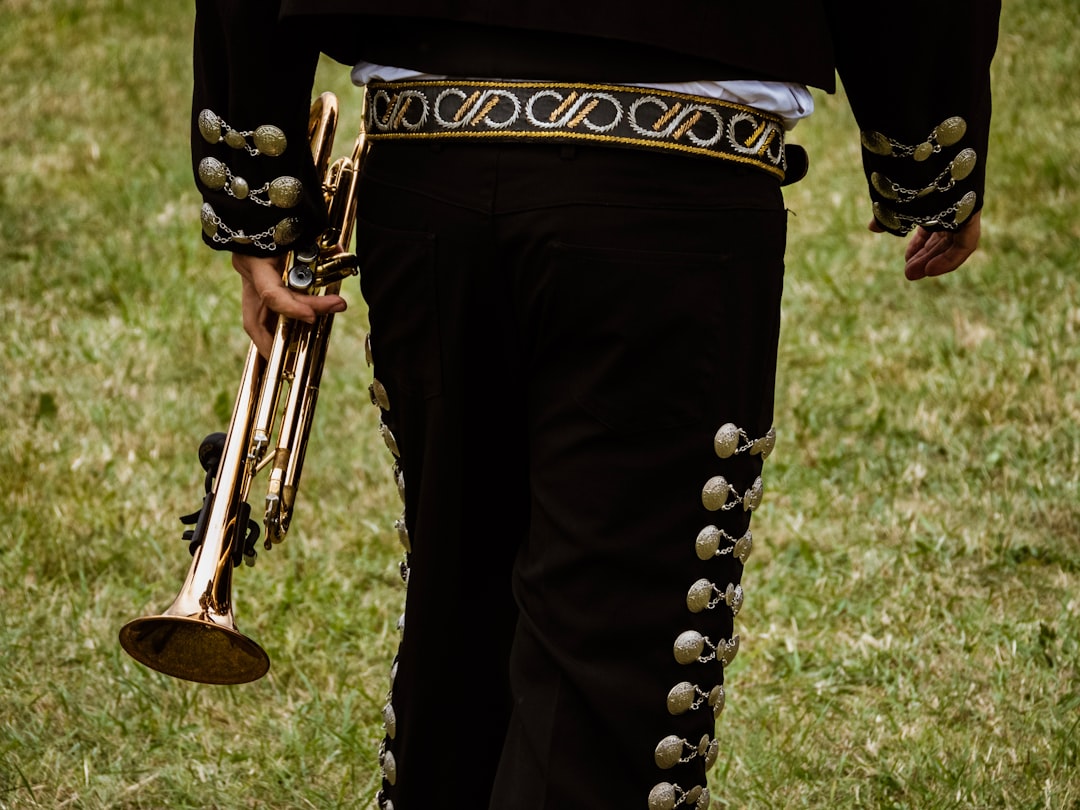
(194, 649)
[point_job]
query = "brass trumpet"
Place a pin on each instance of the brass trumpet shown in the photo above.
(196, 638)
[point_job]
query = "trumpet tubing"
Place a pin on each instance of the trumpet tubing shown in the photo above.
(196, 638)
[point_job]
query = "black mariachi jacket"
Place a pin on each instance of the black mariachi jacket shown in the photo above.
(918, 84)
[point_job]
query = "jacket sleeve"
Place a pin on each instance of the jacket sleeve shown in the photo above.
(249, 144)
(918, 81)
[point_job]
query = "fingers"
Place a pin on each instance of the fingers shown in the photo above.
(935, 253)
(264, 296)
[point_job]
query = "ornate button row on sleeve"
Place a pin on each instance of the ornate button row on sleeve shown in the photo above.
(280, 235)
(959, 167)
(951, 218)
(282, 192)
(264, 140)
(948, 133)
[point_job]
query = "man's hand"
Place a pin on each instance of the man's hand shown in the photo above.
(265, 295)
(935, 253)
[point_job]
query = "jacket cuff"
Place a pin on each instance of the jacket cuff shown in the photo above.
(936, 184)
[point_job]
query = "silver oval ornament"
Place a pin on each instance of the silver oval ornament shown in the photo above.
(668, 752)
(717, 700)
(699, 596)
(708, 542)
(662, 797)
(209, 220)
(269, 140)
(681, 698)
(213, 174)
(715, 493)
(965, 207)
(209, 126)
(689, 646)
(743, 546)
(950, 130)
(726, 441)
(284, 192)
(876, 142)
(963, 164)
(287, 231)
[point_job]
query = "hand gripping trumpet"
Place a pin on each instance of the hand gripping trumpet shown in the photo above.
(195, 638)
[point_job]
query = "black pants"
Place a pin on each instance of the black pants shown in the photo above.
(560, 333)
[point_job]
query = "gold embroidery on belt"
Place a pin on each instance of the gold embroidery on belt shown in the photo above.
(662, 121)
(570, 99)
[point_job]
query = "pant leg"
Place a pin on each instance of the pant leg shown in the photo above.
(649, 320)
(437, 342)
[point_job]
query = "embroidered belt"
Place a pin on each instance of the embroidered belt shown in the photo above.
(612, 115)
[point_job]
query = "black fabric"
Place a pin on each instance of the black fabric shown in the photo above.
(558, 356)
(904, 76)
(618, 42)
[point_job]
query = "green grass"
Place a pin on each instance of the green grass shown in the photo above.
(911, 634)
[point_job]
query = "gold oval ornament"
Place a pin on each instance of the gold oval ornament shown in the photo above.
(923, 151)
(240, 188)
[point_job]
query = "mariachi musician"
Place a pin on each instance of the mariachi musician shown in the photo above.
(571, 234)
